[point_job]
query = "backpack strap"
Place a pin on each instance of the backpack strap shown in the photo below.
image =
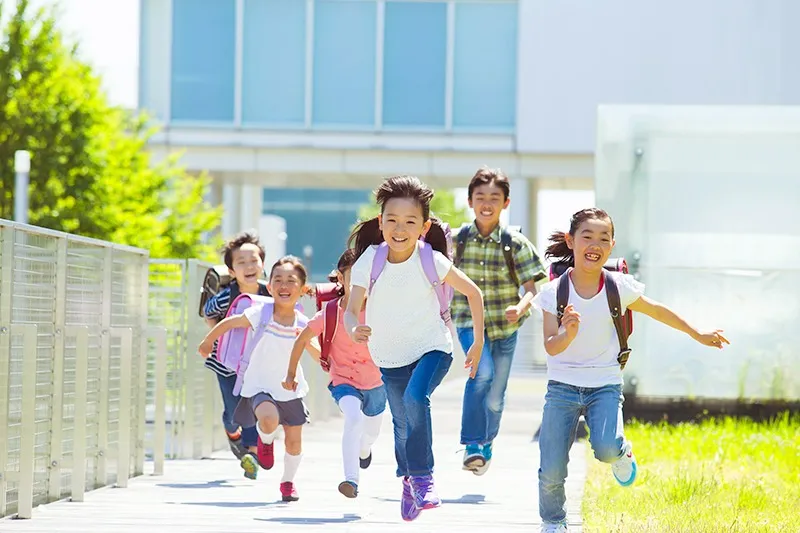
(562, 295)
(429, 268)
(258, 332)
(461, 244)
(615, 307)
(508, 254)
(330, 323)
(378, 262)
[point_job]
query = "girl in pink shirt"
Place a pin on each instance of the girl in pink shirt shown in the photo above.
(356, 383)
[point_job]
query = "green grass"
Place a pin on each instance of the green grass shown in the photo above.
(724, 475)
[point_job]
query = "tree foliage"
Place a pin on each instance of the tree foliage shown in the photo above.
(91, 173)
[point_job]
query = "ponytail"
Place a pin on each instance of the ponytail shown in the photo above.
(364, 235)
(559, 250)
(437, 238)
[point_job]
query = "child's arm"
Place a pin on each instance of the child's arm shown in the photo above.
(665, 315)
(232, 322)
(529, 270)
(460, 282)
(514, 312)
(303, 341)
(555, 340)
(358, 332)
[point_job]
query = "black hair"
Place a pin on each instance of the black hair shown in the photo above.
(486, 176)
(237, 242)
(558, 248)
(295, 262)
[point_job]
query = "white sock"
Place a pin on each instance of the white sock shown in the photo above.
(290, 465)
(266, 438)
(351, 436)
(372, 428)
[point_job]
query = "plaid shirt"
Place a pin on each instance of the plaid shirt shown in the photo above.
(484, 264)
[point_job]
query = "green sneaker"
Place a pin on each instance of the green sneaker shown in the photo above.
(486, 453)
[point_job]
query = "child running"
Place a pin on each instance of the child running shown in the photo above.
(355, 385)
(585, 367)
(265, 403)
(408, 336)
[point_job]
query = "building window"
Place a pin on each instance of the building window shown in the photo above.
(414, 64)
(203, 57)
(344, 63)
(273, 62)
(485, 66)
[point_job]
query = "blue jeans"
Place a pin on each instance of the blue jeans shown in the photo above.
(485, 395)
(563, 405)
(373, 401)
(409, 389)
(229, 403)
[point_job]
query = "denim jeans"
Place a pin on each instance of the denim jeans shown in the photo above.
(563, 405)
(485, 395)
(229, 403)
(409, 389)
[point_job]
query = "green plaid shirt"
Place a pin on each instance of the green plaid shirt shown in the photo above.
(484, 264)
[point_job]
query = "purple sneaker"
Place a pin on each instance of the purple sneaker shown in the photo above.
(425, 496)
(408, 509)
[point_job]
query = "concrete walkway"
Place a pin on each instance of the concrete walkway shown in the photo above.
(211, 495)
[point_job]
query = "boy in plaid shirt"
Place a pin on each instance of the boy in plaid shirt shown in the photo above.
(500, 261)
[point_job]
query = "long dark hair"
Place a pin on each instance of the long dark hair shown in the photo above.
(558, 248)
(369, 232)
(346, 261)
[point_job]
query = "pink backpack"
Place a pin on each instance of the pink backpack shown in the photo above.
(444, 292)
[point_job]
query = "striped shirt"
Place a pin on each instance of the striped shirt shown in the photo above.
(484, 264)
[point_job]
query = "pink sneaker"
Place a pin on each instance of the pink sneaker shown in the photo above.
(266, 455)
(425, 496)
(289, 492)
(408, 508)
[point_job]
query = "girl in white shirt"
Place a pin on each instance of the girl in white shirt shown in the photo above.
(263, 398)
(584, 374)
(408, 338)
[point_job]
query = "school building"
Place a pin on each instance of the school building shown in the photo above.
(298, 107)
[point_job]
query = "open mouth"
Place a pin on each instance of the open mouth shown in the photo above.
(592, 257)
(399, 239)
(284, 294)
(486, 212)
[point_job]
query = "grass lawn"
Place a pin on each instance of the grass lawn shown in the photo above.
(720, 475)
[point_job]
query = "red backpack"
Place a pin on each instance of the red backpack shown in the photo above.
(328, 296)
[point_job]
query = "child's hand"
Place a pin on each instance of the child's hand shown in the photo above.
(289, 383)
(571, 321)
(205, 348)
(714, 339)
(473, 358)
(513, 313)
(361, 334)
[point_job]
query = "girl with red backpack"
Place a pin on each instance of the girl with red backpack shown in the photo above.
(583, 311)
(356, 383)
(409, 332)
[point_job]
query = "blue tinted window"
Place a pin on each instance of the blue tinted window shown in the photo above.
(415, 55)
(203, 49)
(274, 62)
(344, 63)
(485, 66)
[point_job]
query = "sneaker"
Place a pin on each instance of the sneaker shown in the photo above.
(473, 458)
(249, 464)
(364, 463)
(408, 509)
(348, 488)
(266, 455)
(554, 528)
(425, 496)
(624, 469)
(288, 492)
(235, 443)
(486, 453)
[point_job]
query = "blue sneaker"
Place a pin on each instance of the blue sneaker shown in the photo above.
(473, 457)
(486, 453)
(624, 469)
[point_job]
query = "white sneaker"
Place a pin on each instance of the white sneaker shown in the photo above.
(624, 469)
(554, 528)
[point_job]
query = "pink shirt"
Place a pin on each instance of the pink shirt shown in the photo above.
(351, 363)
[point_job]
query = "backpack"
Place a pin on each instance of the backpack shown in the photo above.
(505, 241)
(248, 346)
(444, 292)
(217, 278)
(328, 296)
(622, 323)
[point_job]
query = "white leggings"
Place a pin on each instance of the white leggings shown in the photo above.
(360, 433)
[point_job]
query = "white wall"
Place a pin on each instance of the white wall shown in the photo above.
(576, 54)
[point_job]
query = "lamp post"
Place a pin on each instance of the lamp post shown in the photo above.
(22, 167)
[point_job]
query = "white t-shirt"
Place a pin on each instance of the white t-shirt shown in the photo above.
(270, 360)
(403, 310)
(591, 359)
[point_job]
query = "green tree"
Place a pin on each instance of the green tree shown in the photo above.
(91, 173)
(443, 206)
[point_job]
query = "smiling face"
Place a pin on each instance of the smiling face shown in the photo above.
(592, 244)
(286, 284)
(247, 264)
(402, 224)
(488, 201)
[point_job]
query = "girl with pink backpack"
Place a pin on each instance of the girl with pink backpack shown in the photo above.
(404, 266)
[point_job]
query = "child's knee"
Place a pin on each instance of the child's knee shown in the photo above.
(608, 451)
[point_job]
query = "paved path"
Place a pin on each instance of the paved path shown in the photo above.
(211, 496)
